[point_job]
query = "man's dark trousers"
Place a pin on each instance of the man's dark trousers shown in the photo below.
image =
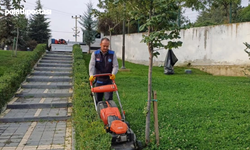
(107, 95)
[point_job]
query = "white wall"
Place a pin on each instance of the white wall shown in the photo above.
(61, 47)
(212, 45)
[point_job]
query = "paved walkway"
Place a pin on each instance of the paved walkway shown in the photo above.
(38, 117)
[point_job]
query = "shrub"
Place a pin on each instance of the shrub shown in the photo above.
(13, 77)
(89, 130)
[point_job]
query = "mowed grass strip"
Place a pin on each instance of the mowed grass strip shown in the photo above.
(196, 111)
(6, 59)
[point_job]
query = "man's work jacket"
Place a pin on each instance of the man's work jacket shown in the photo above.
(103, 63)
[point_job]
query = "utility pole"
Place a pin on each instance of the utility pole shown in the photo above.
(230, 13)
(76, 32)
(179, 17)
(123, 37)
(138, 25)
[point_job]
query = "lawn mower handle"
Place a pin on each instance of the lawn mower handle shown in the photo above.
(109, 74)
(100, 75)
(104, 74)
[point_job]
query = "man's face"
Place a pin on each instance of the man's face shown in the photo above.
(104, 46)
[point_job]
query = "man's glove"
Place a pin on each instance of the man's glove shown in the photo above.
(91, 78)
(112, 77)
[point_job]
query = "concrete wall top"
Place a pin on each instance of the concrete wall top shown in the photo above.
(211, 45)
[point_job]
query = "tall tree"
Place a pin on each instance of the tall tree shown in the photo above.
(244, 14)
(184, 20)
(111, 17)
(7, 24)
(225, 4)
(160, 18)
(14, 3)
(216, 14)
(88, 26)
(39, 26)
(21, 24)
(17, 3)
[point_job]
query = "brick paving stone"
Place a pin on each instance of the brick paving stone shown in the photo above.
(9, 148)
(30, 113)
(12, 144)
(60, 83)
(53, 112)
(27, 100)
(45, 142)
(62, 112)
(45, 112)
(43, 90)
(43, 147)
(56, 100)
(37, 83)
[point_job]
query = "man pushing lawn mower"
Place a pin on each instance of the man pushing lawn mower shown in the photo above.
(102, 69)
(103, 61)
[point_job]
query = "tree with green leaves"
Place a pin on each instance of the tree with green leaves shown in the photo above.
(110, 18)
(12, 26)
(21, 24)
(39, 26)
(14, 3)
(17, 3)
(88, 26)
(244, 14)
(216, 14)
(206, 5)
(23, 32)
(226, 5)
(7, 25)
(160, 18)
(184, 20)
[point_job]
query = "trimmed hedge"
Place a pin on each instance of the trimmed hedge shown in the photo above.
(13, 77)
(89, 129)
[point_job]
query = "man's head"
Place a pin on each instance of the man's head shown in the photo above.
(104, 45)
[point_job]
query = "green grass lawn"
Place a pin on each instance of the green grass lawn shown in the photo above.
(6, 59)
(195, 111)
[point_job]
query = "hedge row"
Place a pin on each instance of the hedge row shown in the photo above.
(13, 77)
(89, 130)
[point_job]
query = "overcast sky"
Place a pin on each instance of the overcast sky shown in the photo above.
(61, 22)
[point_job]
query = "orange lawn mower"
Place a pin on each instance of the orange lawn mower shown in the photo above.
(123, 138)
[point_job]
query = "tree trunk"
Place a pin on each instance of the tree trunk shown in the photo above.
(128, 25)
(227, 11)
(150, 51)
(110, 37)
(89, 47)
(16, 41)
(228, 17)
(147, 133)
